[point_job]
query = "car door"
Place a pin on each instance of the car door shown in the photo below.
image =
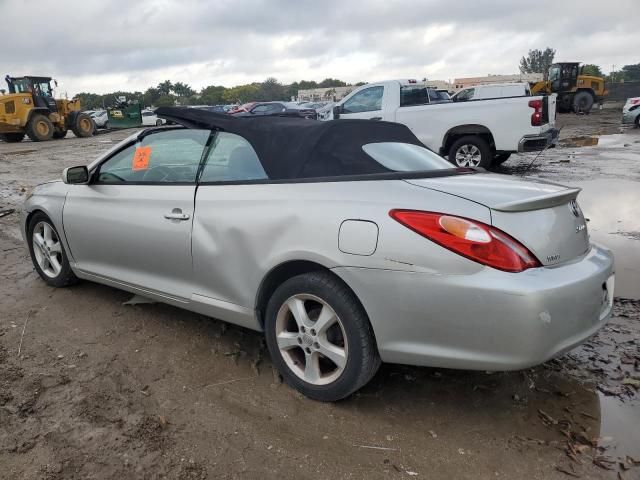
(366, 103)
(132, 222)
(226, 269)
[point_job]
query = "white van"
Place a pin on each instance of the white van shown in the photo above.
(493, 90)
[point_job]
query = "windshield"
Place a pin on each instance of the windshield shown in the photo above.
(405, 157)
(554, 73)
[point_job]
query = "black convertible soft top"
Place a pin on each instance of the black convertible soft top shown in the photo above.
(291, 148)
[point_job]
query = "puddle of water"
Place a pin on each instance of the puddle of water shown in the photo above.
(620, 421)
(613, 209)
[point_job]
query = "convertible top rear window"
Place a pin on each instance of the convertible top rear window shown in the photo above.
(405, 157)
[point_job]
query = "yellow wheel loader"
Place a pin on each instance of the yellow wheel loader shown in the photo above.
(576, 92)
(30, 109)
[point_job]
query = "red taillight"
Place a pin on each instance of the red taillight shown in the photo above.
(536, 116)
(472, 239)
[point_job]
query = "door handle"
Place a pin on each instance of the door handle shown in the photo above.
(176, 214)
(375, 118)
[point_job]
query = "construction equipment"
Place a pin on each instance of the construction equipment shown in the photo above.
(576, 92)
(30, 109)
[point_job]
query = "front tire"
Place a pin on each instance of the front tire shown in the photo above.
(582, 102)
(47, 252)
(320, 338)
(158, 123)
(12, 137)
(40, 128)
(83, 126)
(470, 151)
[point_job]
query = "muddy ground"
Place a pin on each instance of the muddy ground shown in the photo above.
(92, 388)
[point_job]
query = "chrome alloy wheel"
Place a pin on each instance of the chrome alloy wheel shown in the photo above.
(311, 339)
(47, 249)
(468, 156)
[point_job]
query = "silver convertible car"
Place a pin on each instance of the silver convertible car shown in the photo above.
(347, 243)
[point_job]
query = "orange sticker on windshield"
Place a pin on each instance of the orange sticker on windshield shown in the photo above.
(141, 158)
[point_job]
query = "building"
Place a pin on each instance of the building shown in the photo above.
(460, 83)
(331, 94)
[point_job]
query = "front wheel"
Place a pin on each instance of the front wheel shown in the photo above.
(582, 102)
(39, 128)
(83, 126)
(47, 252)
(158, 122)
(320, 338)
(470, 151)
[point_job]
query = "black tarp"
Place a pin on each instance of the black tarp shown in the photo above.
(291, 148)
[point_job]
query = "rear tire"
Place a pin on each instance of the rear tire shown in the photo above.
(470, 151)
(58, 134)
(47, 252)
(500, 158)
(11, 137)
(40, 128)
(294, 312)
(582, 102)
(83, 126)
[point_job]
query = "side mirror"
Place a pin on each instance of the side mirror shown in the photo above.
(75, 175)
(336, 112)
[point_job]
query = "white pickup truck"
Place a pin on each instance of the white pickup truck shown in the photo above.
(476, 133)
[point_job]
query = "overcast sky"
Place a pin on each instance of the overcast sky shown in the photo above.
(102, 46)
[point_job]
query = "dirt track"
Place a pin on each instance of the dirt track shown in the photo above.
(106, 390)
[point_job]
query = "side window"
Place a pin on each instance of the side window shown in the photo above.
(261, 109)
(465, 95)
(367, 100)
(169, 156)
(232, 158)
(413, 95)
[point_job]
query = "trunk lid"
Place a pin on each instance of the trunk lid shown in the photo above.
(543, 216)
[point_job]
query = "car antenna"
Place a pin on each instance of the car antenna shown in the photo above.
(539, 153)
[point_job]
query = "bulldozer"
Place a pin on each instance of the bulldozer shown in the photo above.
(30, 109)
(576, 92)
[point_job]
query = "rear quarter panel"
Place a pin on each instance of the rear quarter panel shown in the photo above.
(241, 232)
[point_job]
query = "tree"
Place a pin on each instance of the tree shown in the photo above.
(150, 97)
(241, 93)
(271, 89)
(212, 95)
(165, 87)
(165, 101)
(182, 89)
(331, 82)
(631, 73)
(537, 61)
(591, 69)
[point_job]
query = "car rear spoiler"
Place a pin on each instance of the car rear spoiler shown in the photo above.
(538, 203)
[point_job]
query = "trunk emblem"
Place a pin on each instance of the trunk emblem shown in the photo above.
(575, 209)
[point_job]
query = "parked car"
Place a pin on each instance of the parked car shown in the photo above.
(470, 134)
(494, 90)
(278, 108)
(346, 243)
(100, 119)
(215, 108)
(149, 118)
(631, 111)
(315, 105)
(245, 107)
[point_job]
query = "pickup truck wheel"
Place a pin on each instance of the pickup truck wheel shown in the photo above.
(500, 158)
(470, 151)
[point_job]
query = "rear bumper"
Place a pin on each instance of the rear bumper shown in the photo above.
(534, 143)
(490, 320)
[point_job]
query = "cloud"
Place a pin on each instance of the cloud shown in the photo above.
(120, 44)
